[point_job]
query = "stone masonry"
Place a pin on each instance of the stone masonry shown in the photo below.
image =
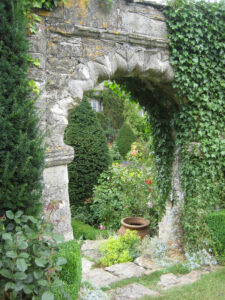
(79, 45)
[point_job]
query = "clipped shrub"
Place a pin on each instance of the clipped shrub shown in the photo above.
(21, 154)
(85, 231)
(28, 268)
(216, 224)
(71, 271)
(91, 153)
(125, 139)
(120, 249)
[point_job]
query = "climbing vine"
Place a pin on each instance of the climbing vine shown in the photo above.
(196, 34)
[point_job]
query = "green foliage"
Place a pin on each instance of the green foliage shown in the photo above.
(196, 35)
(91, 154)
(120, 249)
(71, 271)
(27, 265)
(124, 139)
(21, 154)
(28, 5)
(216, 224)
(139, 152)
(85, 231)
(114, 152)
(139, 124)
(123, 191)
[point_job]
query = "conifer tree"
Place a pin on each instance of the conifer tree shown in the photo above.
(125, 138)
(21, 155)
(91, 154)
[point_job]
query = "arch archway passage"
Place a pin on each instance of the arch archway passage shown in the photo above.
(79, 46)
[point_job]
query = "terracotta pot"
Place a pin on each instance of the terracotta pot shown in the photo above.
(139, 224)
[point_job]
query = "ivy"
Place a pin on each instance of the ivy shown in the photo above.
(196, 34)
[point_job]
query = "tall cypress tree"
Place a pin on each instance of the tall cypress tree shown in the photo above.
(91, 154)
(21, 154)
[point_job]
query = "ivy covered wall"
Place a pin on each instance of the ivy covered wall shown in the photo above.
(196, 34)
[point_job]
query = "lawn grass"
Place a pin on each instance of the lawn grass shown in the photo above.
(209, 287)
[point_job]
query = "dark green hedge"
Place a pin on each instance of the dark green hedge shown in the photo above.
(21, 154)
(85, 231)
(124, 139)
(91, 153)
(216, 224)
(71, 271)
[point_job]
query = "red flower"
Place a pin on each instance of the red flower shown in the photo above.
(119, 166)
(87, 200)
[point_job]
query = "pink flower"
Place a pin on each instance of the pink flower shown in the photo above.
(87, 200)
(127, 206)
(118, 166)
(134, 152)
(101, 227)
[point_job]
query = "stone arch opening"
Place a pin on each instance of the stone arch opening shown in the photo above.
(78, 48)
(152, 72)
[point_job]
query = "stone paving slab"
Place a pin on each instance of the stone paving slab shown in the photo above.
(91, 249)
(131, 291)
(126, 270)
(86, 265)
(170, 280)
(100, 277)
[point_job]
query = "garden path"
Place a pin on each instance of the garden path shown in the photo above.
(104, 277)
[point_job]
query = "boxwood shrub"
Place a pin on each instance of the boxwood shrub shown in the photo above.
(216, 224)
(71, 271)
(85, 231)
(125, 139)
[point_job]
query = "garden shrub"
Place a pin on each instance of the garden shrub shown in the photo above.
(114, 153)
(124, 139)
(21, 153)
(122, 191)
(120, 249)
(85, 231)
(138, 152)
(91, 153)
(71, 271)
(28, 268)
(216, 223)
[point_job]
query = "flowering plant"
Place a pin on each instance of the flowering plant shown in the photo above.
(122, 191)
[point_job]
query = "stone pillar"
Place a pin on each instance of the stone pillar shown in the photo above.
(55, 192)
(169, 228)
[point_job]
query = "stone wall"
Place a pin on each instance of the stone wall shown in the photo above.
(79, 45)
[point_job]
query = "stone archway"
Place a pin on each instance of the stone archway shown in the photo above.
(78, 47)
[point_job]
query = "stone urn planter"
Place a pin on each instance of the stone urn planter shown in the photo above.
(139, 224)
